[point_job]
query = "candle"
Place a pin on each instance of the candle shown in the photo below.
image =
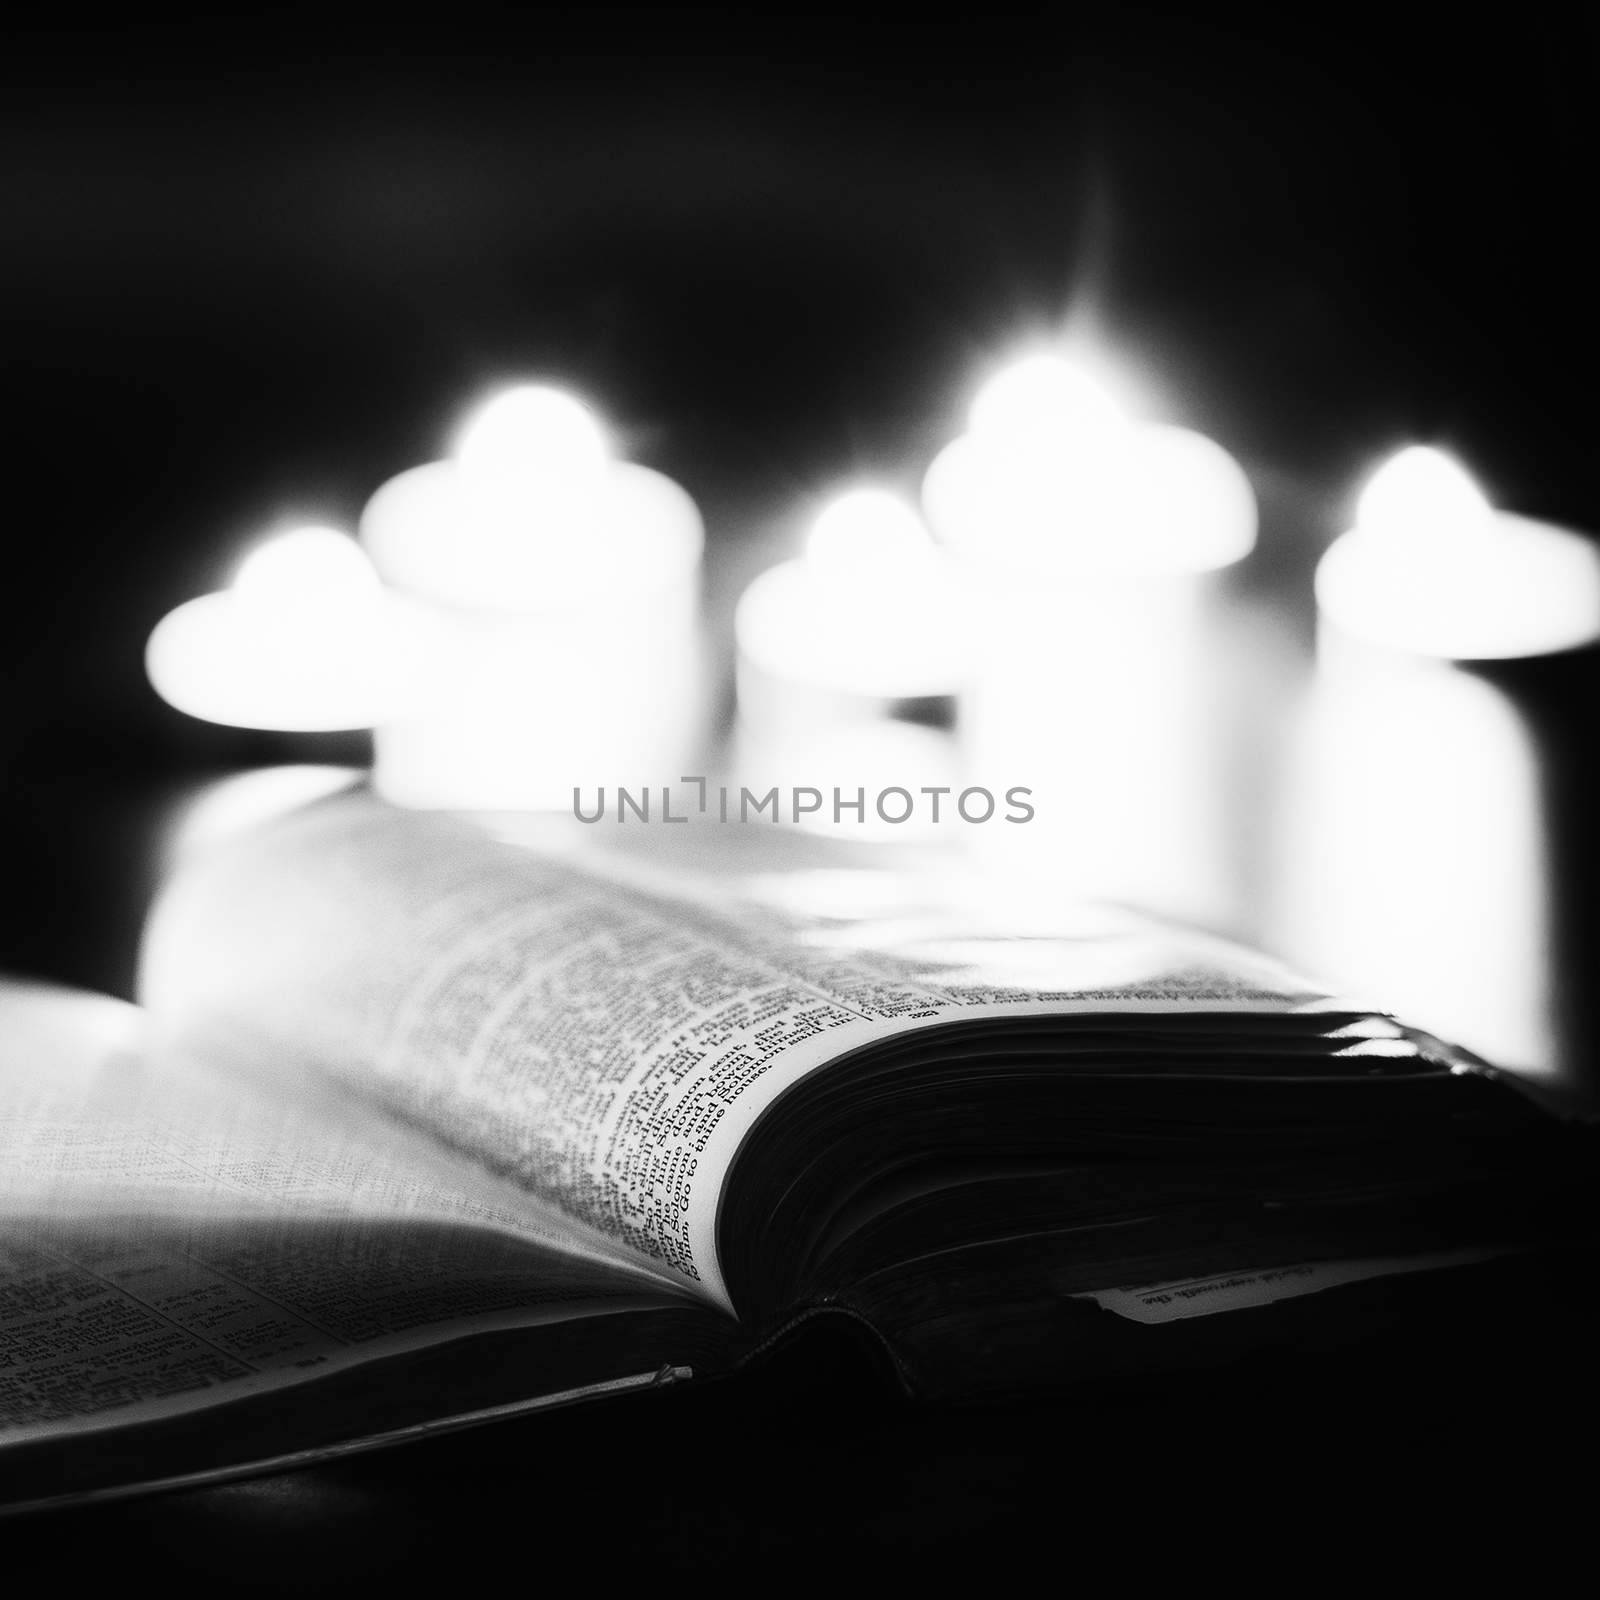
(304, 640)
(1432, 569)
(1423, 832)
(848, 661)
(557, 593)
(1094, 547)
(869, 612)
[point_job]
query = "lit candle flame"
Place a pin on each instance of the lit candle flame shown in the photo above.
(532, 433)
(866, 530)
(1421, 490)
(1043, 394)
(306, 567)
(303, 641)
(1054, 478)
(1432, 569)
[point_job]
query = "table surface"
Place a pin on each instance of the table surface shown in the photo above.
(1454, 1445)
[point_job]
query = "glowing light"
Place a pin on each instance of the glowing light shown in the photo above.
(1054, 479)
(311, 566)
(531, 497)
(1432, 568)
(304, 641)
(1426, 894)
(1102, 695)
(1041, 394)
(530, 433)
(871, 609)
(1422, 489)
(830, 643)
(866, 530)
(531, 516)
(848, 752)
(1432, 896)
(559, 589)
(1085, 538)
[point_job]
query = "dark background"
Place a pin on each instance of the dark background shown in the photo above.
(252, 264)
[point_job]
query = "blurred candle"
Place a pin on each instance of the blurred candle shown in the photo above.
(556, 594)
(1094, 546)
(849, 659)
(303, 641)
(1423, 832)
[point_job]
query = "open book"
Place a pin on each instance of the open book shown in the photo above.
(419, 1125)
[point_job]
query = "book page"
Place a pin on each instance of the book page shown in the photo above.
(167, 1241)
(581, 1028)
